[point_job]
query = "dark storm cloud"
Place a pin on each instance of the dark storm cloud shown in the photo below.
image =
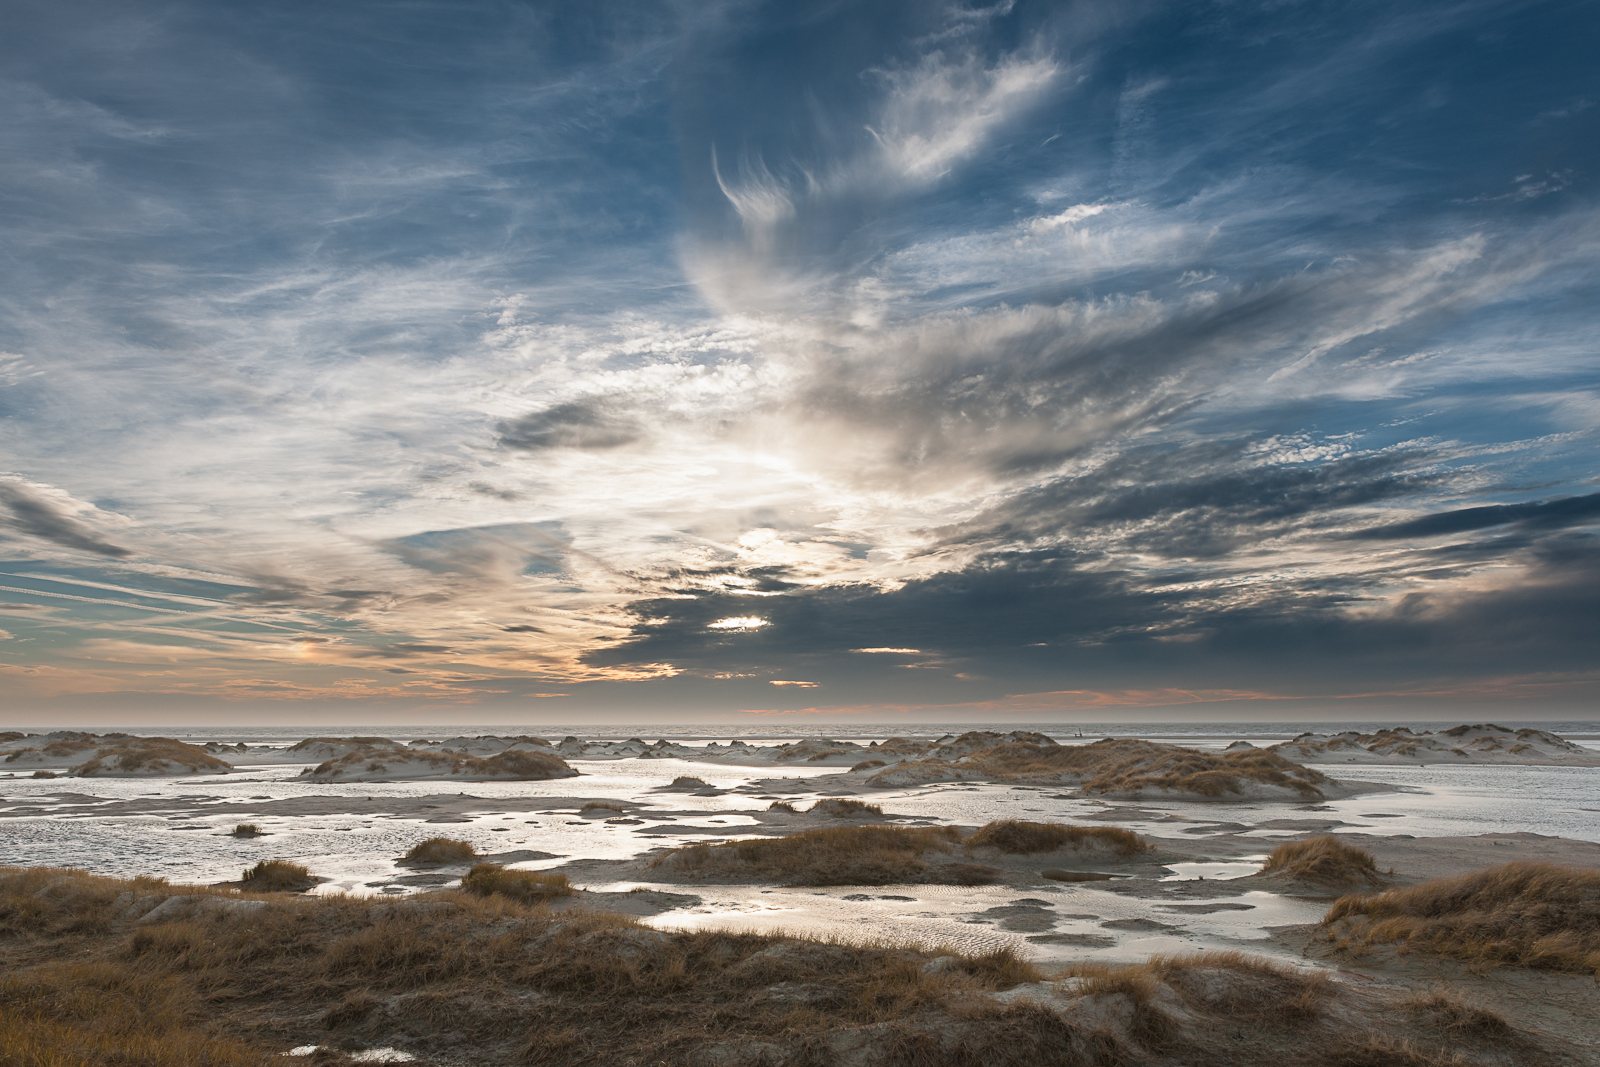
(578, 424)
(36, 514)
(1202, 499)
(1537, 514)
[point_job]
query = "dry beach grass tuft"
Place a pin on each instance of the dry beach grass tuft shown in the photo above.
(1325, 861)
(1527, 914)
(442, 850)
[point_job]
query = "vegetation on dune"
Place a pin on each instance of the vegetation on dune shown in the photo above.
(1024, 838)
(276, 876)
(529, 887)
(247, 829)
(1325, 861)
(1526, 914)
(441, 850)
(88, 984)
(1129, 766)
(602, 805)
(869, 764)
(688, 781)
(844, 807)
(837, 855)
(364, 742)
(783, 806)
(86, 987)
(530, 766)
(133, 754)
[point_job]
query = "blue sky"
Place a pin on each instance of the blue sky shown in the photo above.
(603, 361)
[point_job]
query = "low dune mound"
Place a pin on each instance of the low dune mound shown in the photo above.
(1020, 838)
(378, 763)
(1483, 743)
(247, 829)
(439, 851)
(277, 876)
(602, 809)
(1526, 914)
(1324, 861)
(327, 748)
(843, 855)
(529, 887)
(685, 783)
(1124, 768)
(112, 755)
(845, 808)
(150, 756)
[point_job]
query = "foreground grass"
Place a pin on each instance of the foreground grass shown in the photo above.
(84, 985)
(455, 977)
(1325, 861)
(1525, 914)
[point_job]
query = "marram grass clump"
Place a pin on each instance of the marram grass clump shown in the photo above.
(442, 850)
(529, 887)
(844, 808)
(1325, 861)
(248, 829)
(836, 855)
(1018, 837)
(1524, 914)
(275, 876)
(601, 806)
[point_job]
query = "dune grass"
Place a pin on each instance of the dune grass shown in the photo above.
(1325, 861)
(442, 850)
(602, 805)
(276, 876)
(783, 806)
(507, 984)
(248, 829)
(134, 754)
(1018, 837)
(844, 807)
(1131, 766)
(838, 855)
(1536, 915)
(528, 887)
(689, 781)
(869, 764)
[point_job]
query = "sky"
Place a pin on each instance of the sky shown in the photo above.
(705, 361)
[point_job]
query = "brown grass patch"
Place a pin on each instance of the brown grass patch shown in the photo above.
(442, 850)
(1325, 861)
(528, 887)
(458, 977)
(248, 829)
(783, 806)
(602, 805)
(277, 876)
(1024, 838)
(1526, 914)
(844, 807)
(72, 1014)
(841, 855)
(869, 764)
(1446, 1009)
(689, 781)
